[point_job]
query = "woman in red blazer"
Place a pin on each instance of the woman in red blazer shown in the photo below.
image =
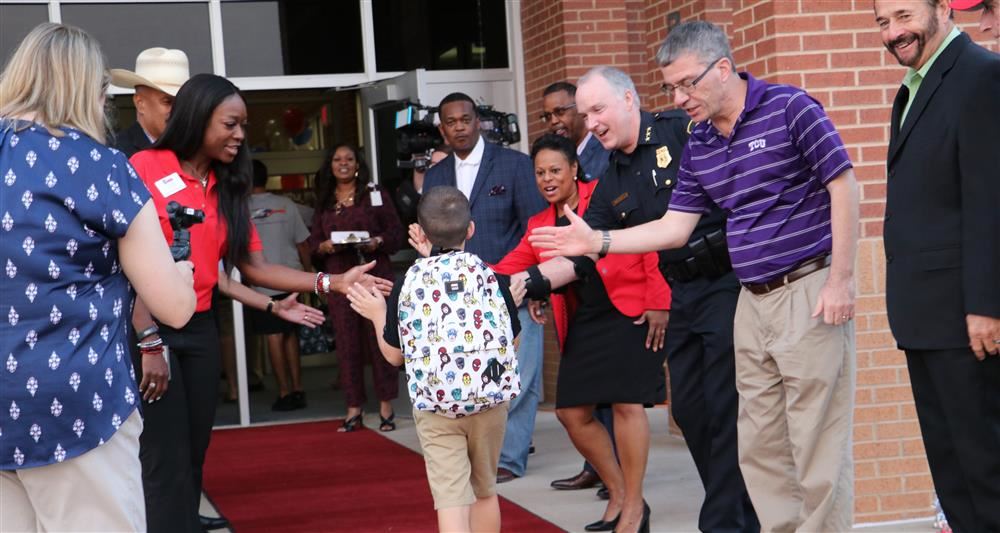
(608, 356)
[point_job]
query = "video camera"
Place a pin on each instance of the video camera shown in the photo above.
(181, 219)
(417, 136)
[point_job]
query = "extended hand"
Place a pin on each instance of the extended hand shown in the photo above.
(575, 239)
(418, 240)
(293, 311)
(984, 335)
(836, 301)
(366, 302)
(359, 274)
(657, 327)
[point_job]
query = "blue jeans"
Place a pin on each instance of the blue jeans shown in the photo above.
(521, 417)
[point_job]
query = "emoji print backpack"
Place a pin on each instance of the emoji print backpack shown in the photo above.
(457, 338)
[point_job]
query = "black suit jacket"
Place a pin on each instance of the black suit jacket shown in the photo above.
(942, 219)
(132, 140)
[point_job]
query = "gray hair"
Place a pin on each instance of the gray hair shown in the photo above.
(703, 39)
(616, 78)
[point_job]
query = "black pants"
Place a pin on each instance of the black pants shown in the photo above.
(606, 416)
(958, 405)
(703, 396)
(177, 428)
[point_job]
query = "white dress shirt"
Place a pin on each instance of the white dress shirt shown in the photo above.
(467, 169)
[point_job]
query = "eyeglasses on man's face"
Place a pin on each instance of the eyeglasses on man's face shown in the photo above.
(687, 87)
(558, 112)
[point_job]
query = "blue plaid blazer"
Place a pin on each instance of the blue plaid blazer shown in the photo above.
(594, 159)
(504, 197)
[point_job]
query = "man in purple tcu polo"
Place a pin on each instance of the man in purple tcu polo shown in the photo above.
(771, 159)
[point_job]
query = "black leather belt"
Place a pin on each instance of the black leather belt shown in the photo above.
(810, 266)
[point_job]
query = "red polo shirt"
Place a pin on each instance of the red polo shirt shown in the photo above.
(166, 181)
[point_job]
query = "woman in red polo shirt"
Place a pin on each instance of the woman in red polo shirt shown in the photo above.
(609, 355)
(203, 162)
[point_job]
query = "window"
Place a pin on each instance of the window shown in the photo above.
(16, 20)
(124, 30)
(279, 37)
(440, 34)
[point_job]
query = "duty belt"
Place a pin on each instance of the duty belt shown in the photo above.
(709, 258)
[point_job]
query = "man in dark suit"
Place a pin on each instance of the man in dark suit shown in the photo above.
(561, 117)
(942, 249)
(159, 74)
(500, 184)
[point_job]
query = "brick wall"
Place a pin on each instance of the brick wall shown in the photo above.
(832, 49)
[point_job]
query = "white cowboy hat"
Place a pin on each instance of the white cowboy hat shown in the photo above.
(159, 68)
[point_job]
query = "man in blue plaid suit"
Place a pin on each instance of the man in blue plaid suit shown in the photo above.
(500, 185)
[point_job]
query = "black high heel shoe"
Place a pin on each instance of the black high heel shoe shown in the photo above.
(352, 424)
(603, 525)
(644, 524)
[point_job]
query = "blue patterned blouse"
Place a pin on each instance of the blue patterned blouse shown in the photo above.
(66, 380)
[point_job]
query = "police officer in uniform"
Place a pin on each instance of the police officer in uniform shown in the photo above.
(636, 189)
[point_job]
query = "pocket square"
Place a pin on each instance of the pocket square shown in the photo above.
(498, 190)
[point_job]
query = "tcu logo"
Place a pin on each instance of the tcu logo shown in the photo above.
(756, 143)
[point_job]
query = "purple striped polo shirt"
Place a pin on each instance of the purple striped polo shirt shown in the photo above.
(769, 177)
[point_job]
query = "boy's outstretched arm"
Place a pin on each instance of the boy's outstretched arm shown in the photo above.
(371, 305)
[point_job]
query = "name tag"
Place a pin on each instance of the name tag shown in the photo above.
(376, 198)
(620, 199)
(170, 185)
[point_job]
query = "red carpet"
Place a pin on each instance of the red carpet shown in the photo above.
(308, 477)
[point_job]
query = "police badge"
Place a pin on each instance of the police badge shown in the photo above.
(663, 157)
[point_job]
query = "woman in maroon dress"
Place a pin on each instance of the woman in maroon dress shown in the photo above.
(348, 201)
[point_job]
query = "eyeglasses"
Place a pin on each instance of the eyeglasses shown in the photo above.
(687, 87)
(558, 112)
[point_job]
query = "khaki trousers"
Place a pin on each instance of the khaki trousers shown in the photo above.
(100, 490)
(795, 380)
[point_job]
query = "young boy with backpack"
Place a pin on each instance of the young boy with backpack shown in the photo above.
(452, 321)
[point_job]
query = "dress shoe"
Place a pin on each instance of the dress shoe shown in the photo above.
(603, 493)
(603, 525)
(284, 403)
(300, 399)
(584, 480)
(504, 475)
(209, 523)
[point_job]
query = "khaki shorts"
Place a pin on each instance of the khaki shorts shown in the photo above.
(461, 454)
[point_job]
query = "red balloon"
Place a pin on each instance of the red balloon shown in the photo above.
(293, 120)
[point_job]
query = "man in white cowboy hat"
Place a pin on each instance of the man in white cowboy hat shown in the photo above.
(159, 73)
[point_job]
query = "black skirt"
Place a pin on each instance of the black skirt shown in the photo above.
(605, 359)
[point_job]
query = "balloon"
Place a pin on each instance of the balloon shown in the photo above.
(293, 120)
(303, 138)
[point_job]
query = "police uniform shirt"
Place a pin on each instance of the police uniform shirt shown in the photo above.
(636, 187)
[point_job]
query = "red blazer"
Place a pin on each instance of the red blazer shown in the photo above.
(633, 281)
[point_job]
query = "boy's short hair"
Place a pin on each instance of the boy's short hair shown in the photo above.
(444, 215)
(259, 173)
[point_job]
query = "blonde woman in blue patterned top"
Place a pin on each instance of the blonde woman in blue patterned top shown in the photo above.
(77, 235)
